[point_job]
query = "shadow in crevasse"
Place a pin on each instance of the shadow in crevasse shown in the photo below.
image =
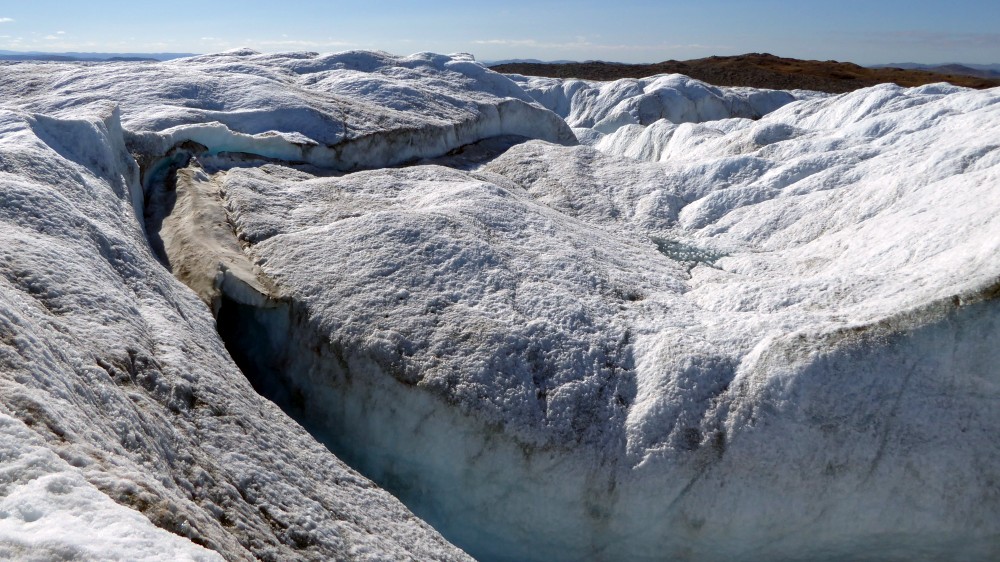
(159, 183)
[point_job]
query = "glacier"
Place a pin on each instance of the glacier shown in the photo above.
(558, 319)
(129, 432)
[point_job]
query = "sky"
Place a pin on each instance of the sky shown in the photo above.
(864, 32)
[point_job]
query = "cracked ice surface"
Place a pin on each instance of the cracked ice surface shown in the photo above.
(128, 431)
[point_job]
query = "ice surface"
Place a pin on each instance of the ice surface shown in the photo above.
(344, 110)
(778, 343)
(739, 324)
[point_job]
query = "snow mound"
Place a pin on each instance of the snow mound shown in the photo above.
(780, 346)
(608, 106)
(128, 432)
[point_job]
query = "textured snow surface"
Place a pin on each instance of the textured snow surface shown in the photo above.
(778, 343)
(603, 107)
(128, 432)
(344, 110)
(738, 325)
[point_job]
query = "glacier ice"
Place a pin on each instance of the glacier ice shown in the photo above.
(743, 343)
(734, 324)
(604, 107)
(129, 433)
(344, 110)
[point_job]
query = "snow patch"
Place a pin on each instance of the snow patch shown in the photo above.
(48, 510)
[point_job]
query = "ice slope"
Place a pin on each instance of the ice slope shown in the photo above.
(603, 107)
(824, 214)
(778, 344)
(344, 110)
(128, 432)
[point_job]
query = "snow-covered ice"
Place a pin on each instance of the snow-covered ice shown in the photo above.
(746, 339)
(603, 107)
(736, 324)
(128, 431)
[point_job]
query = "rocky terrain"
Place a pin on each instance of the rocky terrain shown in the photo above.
(756, 70)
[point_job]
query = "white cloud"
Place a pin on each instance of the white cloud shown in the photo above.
(6, 20)
(51, 37)
(60, 33)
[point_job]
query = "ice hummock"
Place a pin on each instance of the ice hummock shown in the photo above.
(604, 107)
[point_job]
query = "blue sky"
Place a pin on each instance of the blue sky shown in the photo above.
(865, 32)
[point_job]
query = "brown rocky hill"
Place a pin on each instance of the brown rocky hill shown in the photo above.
(758, 70)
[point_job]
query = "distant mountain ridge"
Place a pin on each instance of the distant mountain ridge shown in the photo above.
(978, 70)
(758, 70)
(917, 65)
(88, 57)
(526, 61)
